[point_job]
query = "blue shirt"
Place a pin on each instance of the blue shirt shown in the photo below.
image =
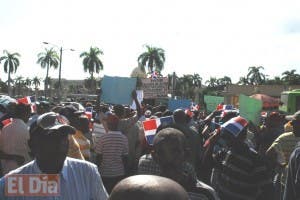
(79, 179)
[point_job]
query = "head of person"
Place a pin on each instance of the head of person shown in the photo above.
(119, 110)
(42, 107)
(72, 114)
(169, 151)
(148, 187)
(22, 111)
(235, 131)
(179, 116)
(295, 122)
(274, 119)
(112, 122)
(83, 124)
(49, 141)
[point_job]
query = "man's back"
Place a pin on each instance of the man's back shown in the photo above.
(241, 174)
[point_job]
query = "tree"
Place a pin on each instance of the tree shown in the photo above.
(243, 81)
(47, 59)
(153, 59)
(28, 83)
(254, 76)
(290, 77)
(91, 61)
(19, 81)
(212, 82)
(36, 82)
(11, 64)
(197, 80)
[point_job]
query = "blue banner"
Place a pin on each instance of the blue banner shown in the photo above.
(179, 104)
(117, 90)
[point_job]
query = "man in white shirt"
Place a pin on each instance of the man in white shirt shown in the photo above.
(49, 142)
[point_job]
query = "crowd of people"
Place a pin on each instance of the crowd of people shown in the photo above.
(219, 155)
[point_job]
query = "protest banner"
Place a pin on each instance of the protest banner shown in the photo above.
(155, 88)
(117, 90)
(250, 108)
(212, 102)
(174, 104)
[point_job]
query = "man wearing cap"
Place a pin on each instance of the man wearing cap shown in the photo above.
(49, 144)
(239, 172)
(281, 149)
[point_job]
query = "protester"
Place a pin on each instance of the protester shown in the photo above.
(169, 151)
(112, 154)
(239, 172)
(148, 187)
(14, 137)
(49, 144)
(82, 128)
(130, 128)
(291, 191)
(283, 146)
(194, 140)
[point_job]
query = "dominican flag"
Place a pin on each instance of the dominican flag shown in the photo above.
(89, 112)
(6, 121)
(151, 125)
(26, 100)
(195, 107)
(154, 75)
(235, 125)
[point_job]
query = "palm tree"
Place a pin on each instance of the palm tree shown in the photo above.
(153, 59)
(197, 80)
(11, 64)
(290, 77)
(212, 82)
(48, 59)
(243, 81)
(36, 82)
(91, 61)
(19, 84)
(28, 83)
(254, 75)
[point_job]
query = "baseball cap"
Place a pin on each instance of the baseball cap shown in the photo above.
(48, 123)
(295, 116)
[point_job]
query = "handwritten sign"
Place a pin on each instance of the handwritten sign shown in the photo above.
(155, 88)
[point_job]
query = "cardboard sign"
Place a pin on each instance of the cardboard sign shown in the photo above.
(155, 87)
(117, 90)
(212, 102)
(250, 108)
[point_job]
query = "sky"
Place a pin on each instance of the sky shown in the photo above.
(213, 38)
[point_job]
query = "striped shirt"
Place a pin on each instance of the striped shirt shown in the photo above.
(241, 174)
(112, 146)
(78, 180)
(84, 144)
